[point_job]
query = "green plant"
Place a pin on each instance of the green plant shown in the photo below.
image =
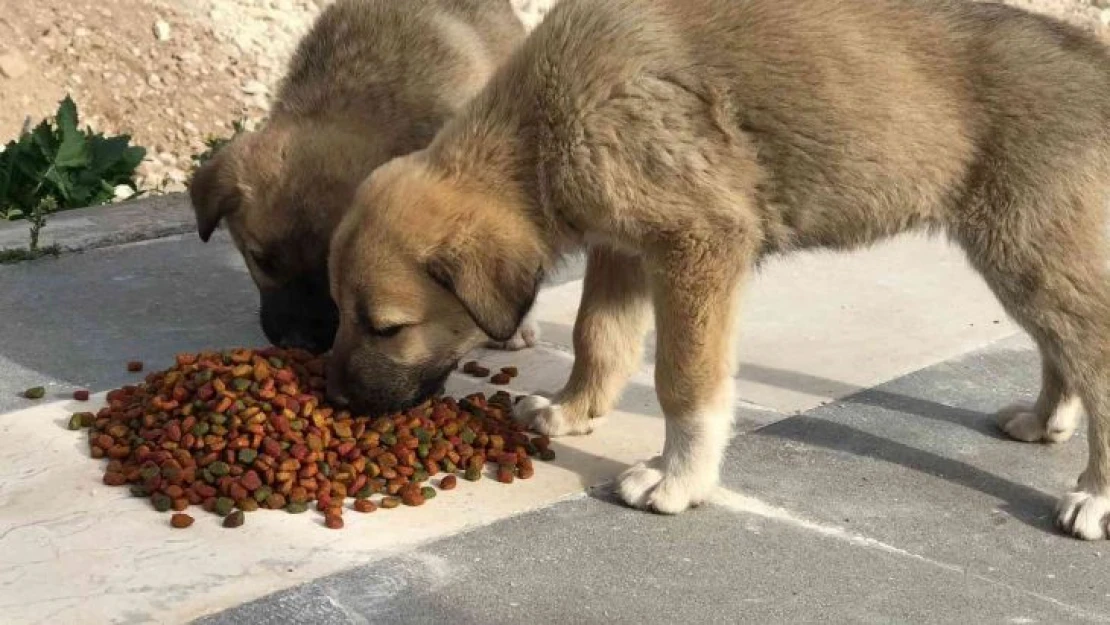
(214, 144)
(58, 160)
(37, 220)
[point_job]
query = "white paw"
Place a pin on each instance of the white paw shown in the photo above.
(1084, 514)
(1020, 422)
(647, 487)
(527, 335)
(547, 418)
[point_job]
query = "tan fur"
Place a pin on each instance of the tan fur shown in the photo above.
(682, 141)
(372, 80)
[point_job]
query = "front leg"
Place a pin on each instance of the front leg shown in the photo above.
(527, 335)
(695, 291)
(608, 343)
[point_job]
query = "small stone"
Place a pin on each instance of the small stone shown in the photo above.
(161, 30)
(1104, 17)
(254, 87)
(13, 65)
(122, 192)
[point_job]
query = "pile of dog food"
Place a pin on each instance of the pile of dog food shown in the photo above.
(245, 429)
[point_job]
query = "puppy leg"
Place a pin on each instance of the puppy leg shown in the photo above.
(1053, 280)
(528, 335)
(695, 295)
(608, 341)
(1055, 416)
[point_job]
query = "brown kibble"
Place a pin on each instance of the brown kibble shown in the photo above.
(365, 505)
(135, 366)
(390, 502)
(501, 378)
(235, 519)
(333, 521)
(181, 521)
(449, 482)
(510, 371)
(505, 475)
(81, 395)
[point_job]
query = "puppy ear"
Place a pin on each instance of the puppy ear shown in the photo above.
(496, 289)
(215, 191)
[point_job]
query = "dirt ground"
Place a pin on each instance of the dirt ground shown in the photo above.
(171, 72)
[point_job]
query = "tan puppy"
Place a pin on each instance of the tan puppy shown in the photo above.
(373, 79)
(681, 141)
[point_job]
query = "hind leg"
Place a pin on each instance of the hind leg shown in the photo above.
(1049, 271)
(1053, 418)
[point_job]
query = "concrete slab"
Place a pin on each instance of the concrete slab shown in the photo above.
(102, 226)
(76, 320)
(899, 504)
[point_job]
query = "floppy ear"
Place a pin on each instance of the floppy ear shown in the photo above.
(214, 192)
(496, 288)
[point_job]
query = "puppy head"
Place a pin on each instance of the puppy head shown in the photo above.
(423, 269)
(281, 191)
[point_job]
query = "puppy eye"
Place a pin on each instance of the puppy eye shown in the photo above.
(387, 331)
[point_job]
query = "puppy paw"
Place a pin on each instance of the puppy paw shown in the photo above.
(1021, 423)
(552, 419)
(1084, 514)
(527, 335)
(648, 487)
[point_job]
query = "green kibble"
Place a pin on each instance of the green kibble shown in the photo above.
(207, 476)
(285, 445)
(297, 425)
(547, 454)
(161, 502)
(150, 473)
(422, 435)
(267, 407)
(203, 377)
(277, 363)
(468, 436)
(224, 505)
(389, 439)
(420, 475)
(238, 406)
(138, 490)
(365, 493)
(200, 429)
(88, 419)
(247, 455)
(449, 467)
(74, 422)
(219, 468)
(423, 450)
(262, 494)
(35, 392)
(324, 468)
(296, 507)
(473, 474)
(235, 519)
(428, 492)
(217, 419)
(240, 384)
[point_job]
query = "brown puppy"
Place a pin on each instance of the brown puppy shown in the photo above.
(681, 141)
(373, 79)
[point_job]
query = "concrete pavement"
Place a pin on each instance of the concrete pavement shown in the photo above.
(866, 482)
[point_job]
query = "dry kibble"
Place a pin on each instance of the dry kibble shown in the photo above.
(35, 392)
(505, 475)
(81, 395)
(501, 378)
(235, 519)
(135, 366)
(333, 521)
(181, 521)
(243, 429)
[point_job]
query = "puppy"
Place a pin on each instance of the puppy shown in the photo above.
(372, 79)
(682, 141)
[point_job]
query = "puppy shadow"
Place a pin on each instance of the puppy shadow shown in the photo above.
(1021, 502)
